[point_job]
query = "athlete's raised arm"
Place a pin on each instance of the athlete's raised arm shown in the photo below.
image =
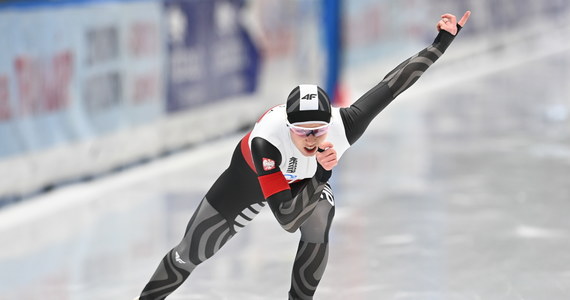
(358, 116)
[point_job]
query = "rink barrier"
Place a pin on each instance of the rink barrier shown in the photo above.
(90, 87)
(153, 135)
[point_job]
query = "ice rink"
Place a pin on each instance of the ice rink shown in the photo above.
(459, 190)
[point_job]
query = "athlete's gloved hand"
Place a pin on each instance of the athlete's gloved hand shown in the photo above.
(326, 156)
(449, 23)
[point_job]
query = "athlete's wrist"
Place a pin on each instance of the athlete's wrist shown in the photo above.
(322, 175)
(444, 39)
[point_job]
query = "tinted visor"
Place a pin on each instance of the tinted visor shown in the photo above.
(304, 131)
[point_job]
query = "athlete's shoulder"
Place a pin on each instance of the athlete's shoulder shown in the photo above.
(336, 117)
(337, 132)
(271, 125)
(276, 113)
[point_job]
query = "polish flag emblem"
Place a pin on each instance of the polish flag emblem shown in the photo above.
(268, 164)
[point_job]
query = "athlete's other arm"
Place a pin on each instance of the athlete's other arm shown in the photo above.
(358, 116)
(290, 211)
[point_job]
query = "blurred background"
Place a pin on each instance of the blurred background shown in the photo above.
(117, 115)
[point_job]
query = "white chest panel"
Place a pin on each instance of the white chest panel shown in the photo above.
(294, 165)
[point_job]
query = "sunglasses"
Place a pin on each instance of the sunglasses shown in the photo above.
(304, 131)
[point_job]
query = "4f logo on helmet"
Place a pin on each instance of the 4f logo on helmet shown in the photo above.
(309, 96)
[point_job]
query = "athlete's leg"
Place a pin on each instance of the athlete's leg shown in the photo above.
(206, 232)
(312, 254)
(233, 201)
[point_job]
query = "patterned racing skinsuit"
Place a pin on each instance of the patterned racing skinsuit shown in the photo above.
(267, 168)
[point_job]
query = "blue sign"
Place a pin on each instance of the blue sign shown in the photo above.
(210, 54)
